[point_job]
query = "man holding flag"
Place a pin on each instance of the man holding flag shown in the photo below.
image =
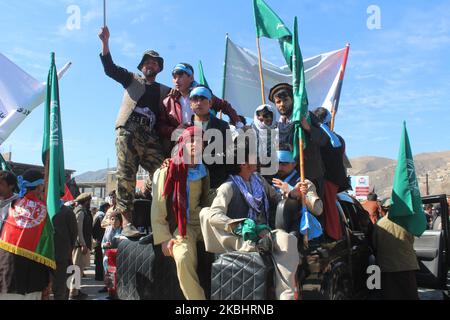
(295, 119)
(137, 141)
(394, 234)
(27, 235)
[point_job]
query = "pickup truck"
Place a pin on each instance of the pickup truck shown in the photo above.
(330, 270)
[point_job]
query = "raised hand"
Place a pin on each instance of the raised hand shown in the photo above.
(104, 34)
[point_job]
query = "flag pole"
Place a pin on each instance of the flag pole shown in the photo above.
(261, 77)
(104, 13)
(47, 153)
(224, 73)
(302, 179)
(338, 93)
(225, 67)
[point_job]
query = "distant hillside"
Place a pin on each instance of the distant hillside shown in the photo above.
(381, 172)
(94, 176)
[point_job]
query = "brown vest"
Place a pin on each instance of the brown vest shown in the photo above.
(131, 97)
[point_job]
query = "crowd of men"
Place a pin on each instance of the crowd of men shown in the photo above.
(221, 202)
(228, 203)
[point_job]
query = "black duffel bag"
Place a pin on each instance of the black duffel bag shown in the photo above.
(143, 273)
(242, 276)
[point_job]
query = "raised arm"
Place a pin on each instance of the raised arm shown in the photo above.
(121, 75)
(225, 107)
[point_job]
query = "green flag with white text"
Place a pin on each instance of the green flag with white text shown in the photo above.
(269, 25)
(300, 108)
(53, 143)
(406, 206)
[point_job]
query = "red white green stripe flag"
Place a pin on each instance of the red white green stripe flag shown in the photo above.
(28, 230)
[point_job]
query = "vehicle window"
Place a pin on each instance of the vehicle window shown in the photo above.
(349, 212)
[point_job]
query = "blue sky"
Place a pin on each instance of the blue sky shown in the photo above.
(399, 72)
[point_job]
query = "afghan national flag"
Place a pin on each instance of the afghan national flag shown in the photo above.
(28, 230)
(52, 146)
(300, 109)
(201, 75)
(406, 208)
(269, 25)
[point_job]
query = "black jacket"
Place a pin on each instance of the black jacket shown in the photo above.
(65, 225)
(217, 171)
(333, 159)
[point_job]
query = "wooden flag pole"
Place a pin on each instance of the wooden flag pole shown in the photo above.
(261, 77)
(302, 179)
(333, 118)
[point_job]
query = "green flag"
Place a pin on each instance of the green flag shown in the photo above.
(300, 108)
(269, 25)
(201, 75)
(53, 143)
(4, 165)
(406, 209)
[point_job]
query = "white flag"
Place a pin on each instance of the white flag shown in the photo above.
(20, 93)
(242, 87)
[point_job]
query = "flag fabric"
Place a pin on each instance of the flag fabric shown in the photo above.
(269, 25)
(300, 107)
(201, 75)
(20, 94)
(242, 87)
(309, 225)
(68, 196)
(52, 146)
(406, 206)
(28, 230)
(4, 165)
(339, 81)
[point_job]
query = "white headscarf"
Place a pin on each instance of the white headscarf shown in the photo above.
(260, 125)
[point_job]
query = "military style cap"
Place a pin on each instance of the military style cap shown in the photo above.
(152, 54)
(278, 87)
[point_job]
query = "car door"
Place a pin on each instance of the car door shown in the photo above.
(432, 250)
(359, 246)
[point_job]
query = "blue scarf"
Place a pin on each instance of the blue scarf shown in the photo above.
(24, 185)
(335, 142)
(256, 199)
(309, 224)
(194, 174)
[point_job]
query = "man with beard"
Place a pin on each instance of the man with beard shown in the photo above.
(282, 96)
(82, 253)
(136, 140)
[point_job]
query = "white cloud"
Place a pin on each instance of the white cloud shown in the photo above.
(126, 45)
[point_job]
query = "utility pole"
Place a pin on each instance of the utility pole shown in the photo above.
(426, 184)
